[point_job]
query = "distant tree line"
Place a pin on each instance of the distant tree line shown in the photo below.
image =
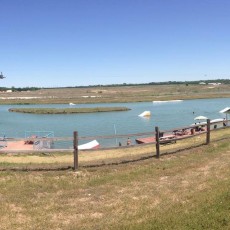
(27, 89)
(20, 89)
(222, 81)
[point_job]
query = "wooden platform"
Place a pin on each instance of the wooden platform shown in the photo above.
(17, 145)
(170, 138)
(145, 140)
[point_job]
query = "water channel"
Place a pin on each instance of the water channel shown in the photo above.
(166, 115)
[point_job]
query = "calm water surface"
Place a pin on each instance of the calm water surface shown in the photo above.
(165, 115)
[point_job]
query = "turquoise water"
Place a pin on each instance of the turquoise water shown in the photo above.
(165, 115)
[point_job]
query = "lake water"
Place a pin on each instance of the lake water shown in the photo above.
(165, 115)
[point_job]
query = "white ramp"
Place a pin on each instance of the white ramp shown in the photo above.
(145, 114)
(90, 145)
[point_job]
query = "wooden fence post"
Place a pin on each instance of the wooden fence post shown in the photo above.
(75, 150)
(208, 132)
(157, 142)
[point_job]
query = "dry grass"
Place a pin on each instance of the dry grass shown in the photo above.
(189, 190)
(116, 94)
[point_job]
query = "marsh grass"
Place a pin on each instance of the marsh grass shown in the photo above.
(67, 110)
(105, 94)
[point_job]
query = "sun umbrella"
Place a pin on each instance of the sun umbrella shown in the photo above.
(200, 118)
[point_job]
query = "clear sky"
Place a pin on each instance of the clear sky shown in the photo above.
(53, 43)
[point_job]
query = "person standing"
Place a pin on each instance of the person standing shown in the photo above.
(128, 141)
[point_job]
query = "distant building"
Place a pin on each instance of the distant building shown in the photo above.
(202, 83)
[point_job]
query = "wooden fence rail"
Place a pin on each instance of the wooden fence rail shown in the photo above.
(75, 150)
(157, 142)
(156, 134)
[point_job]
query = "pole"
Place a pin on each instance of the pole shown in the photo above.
(157, 142)
(75, 150)
(115, 131)
(208, 132)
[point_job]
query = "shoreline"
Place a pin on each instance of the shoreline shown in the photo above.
(26, 102)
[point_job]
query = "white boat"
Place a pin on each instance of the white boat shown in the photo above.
(217, 120)
(71, 103)
(214, 124)
(199, 123)
(217, 123)
(90, 145)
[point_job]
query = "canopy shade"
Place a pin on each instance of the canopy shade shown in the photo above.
(226, 110)
(200, 118)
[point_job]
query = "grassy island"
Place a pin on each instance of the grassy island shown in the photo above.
(67, 110)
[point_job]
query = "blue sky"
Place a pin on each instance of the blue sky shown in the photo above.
(53, 43)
